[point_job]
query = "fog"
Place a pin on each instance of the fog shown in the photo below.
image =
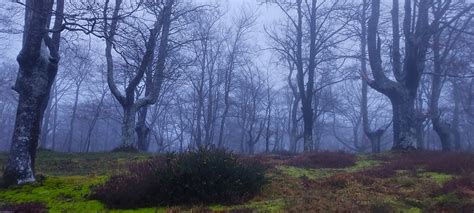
(234, 74)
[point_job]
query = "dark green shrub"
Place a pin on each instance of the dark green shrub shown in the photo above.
(204, 176)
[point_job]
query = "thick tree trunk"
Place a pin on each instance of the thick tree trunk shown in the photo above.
(405, 122)
(403, 91)
(128, 125)
(38, 65)
(142, 130)
(20, 166)
(33, 85)
(442, 128)
(444, 132)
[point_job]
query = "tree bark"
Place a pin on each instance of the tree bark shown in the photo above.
(128, 124)
(405, 122)
(142, 130)
(402, 92)
(127, 100)
(373, 136)
(38, 65)
(306, 92)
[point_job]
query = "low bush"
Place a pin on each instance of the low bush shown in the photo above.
(324, 159)
(204, 176)
(24, 208)
(130, 148)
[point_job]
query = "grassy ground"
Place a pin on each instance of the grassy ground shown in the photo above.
(65, 181)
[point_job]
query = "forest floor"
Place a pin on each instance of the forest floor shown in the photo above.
(387, 182)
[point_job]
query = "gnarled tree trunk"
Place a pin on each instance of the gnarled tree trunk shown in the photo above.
(38, 65)
(402, 92)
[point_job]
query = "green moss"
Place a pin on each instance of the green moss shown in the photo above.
(449, 199)
(62, 194)
(394, 204)
(439, 178)
(309, 173)
(406, 182)
(58, 193)
(363, 162)
(259, 206)
(412, 210)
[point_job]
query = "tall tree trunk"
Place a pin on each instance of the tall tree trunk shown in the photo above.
(373, 136)
(55, 117)
(223, 119)
(268, 113)
(441, 127)
(455, 126)
(306, 92)
(38, 65)
(293, 117)
(73, 118)
(94, 122)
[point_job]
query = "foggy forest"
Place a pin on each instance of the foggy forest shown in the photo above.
(237, 105)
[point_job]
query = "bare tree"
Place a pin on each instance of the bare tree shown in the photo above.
(445, 41)
(127, 100)
(236, 51)
(402, 91)
(321, 24)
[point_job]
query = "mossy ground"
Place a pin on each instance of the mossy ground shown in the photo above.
(68, 178)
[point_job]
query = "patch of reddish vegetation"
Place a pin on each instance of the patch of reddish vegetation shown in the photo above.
(445, 162)
(430, 161)
(25, 208)
(462, 186)
(378, 172)
(324, 159)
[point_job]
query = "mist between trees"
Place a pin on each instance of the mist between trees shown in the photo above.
(359, 76)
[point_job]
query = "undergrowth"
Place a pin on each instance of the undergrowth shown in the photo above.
(387, 182)
(204, 176)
